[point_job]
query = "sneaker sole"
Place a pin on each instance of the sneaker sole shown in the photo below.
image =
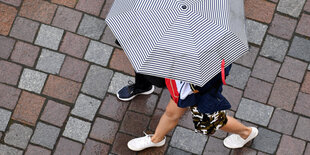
(144, 93)
(254, 136)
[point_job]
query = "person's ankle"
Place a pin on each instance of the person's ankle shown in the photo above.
(246, 133)
(157, 139)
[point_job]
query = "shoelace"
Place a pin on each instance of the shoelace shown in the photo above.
(148, 136)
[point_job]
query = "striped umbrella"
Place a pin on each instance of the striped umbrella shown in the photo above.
(185, 40)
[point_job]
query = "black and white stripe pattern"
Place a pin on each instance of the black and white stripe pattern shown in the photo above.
(163, 39)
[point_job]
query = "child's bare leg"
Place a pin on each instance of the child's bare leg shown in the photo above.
(234, 126)
(168, 121)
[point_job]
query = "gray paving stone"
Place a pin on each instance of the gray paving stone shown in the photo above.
(97, 81)
(283, 121)
(291, 7)
(238, 76)
(302, 128)
(77, 129)
(50, 61)
(175, 151)
(91, 27)
(4, 118)
(119, 80)
(7, 150)
(274, 48)
(18, 135)
(86, 107)
(254, 112)
(215, 147)
(49, 37)
(98, 53)
(300, 48)
(188, 140)
(265, 69)
(45, 135)
(266, 141)
(32, 80)
(255, 31)
(249, 58)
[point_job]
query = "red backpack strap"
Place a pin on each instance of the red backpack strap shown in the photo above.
(223, 71)
(172, 87)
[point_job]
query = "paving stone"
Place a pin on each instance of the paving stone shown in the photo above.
(186, 120)
(283, 121)
(86, 107)
(290, 145)
(125, 66)
(307, 6)
(28, 108)
(293, 69)
(61, 88)
(45, 135)
(164, 99)
(25, 53)
(262, 153)
(38, 10)
(74, 45)
(77, 129)
(94, 148)
(49, 37)
(18, 135)
(6, 46)
(108, 37)
(158, 150)
(300, 48)
(9, 72)
(113, 108)
(12, 2)
(68, 3)
(91, 27)
(36, 150)
(283, 94)
(282, 26)
(215, 147)
(55, 113)
(97, 81)
(24, 29)
(243, 151)
(238, 76)
(7, 150)
(187, 140)
(257, 90)
(104, 130)
(134, 123)
(259, 10)
(266, 141)
(249, 58)
(67, 19)
(7, 16)
(302, 128)
(90, 6)
(4, 118)
(144, 104)
(254, 112)
(274, 48)
(50, 61)
(303, 25)
(292, 8)
(74, 69)
(175, 151)
(220, 134)
(306, 84)
(255, 31)
(307, 151)
(66, 146)
(121, 141)
(32, 80)
(119, 80)
(8, 96)
(302, 105)
(98, 53)
(158, 90)
(106, 8)
(265, 69)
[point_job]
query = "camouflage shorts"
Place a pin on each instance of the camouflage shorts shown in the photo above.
(207, 124)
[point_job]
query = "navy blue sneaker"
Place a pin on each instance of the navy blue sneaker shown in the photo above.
(129, 92)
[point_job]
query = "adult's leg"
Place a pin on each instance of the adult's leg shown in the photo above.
(168, 121)
(234, 126)
(142, 82)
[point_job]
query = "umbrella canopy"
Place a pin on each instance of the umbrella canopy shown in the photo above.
(179, 39)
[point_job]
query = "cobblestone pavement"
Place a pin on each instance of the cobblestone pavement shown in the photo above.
(60, 70)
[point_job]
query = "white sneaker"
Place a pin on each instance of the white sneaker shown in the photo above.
(142, 143)
(234, 141)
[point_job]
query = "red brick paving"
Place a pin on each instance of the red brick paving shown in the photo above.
(106, 8)
(113, 108)
(144, 104)
(9, 72)
(93, 147)
(74, 45)
(55, 113)
(303, 25)
(67, 19)
(125, 66)
(24, 29)
(90, 6)
(74, 69)
(104, 130)
(68, 3)
(12, 2)
(8, 96)
(6, 46)
(282, 26)
(290, 145)
(36, 150)
(25, 53)
(257, 90)
(66, 146)
(306, 84)
(302, 105)
(7, 15)
(260, 10)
